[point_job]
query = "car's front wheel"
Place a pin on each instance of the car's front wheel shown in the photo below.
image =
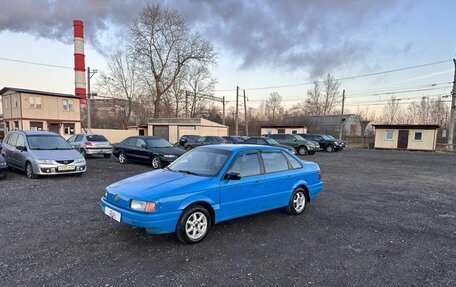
(302, 150)
(122, 158)
(193, 225)
(329, 148)
(298, 202)
(156, 162)
(83, 153)
(29, 171)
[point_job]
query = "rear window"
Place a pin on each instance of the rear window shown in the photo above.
(96, 138)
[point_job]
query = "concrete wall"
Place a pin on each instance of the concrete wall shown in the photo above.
(115, 136)
(273, 131)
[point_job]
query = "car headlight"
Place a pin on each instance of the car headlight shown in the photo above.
(169, 155)
(79, 160)
(3, 163)
(142, 206)
(44, 161)
(105, 195)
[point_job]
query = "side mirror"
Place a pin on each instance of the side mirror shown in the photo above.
(233, 176)
(294, 139)
(144, 146)
(21, 148)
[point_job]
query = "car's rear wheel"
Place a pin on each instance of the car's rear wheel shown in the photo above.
(83, 153)
(193, 225)
(298, 202)
(329, 148)
(156, 162)
(107, 156)
(302, 150)
(29, 171)
(122, 158)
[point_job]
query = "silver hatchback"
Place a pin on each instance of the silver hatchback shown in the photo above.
(91, 144)
(41, 153)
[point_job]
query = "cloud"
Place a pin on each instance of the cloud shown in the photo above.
(315, 36)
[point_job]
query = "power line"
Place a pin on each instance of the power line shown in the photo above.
(344, 78)
(36, 63)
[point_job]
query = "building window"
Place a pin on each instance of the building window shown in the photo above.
(5, 102)
(35, 102)
(67, 105)
(36, 126)
(68, 129)
(16, 125)
(16, 101)
(418, 136)
(280, 131)
(389, 135)
(294, 132)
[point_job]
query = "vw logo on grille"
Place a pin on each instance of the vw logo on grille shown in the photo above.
(116, 198)
(65, 162)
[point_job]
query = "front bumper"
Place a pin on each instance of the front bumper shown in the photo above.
(54, 169)
(98, 151)
(154, 223)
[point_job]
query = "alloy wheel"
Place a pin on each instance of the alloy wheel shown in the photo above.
(155, 162)
(302, 150)
(299, 201)
(196, 225)
(122, 157)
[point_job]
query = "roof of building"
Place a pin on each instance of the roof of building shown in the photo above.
(405, 127)
(35, 92)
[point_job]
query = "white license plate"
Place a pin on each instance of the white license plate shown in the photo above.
(66, 168)
(112, 213)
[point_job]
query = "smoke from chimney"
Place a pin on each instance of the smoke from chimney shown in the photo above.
(79, 61)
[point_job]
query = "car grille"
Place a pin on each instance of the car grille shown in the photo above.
(64, 161)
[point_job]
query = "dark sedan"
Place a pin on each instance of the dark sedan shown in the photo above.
(205, 141)
(235, 139)
(268, 141)
(187, 139)
(155, 151)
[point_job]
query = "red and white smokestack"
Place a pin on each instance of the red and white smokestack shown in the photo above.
(79, 61)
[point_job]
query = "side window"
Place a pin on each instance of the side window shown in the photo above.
(289, 137)
(12, 140)
(247, 165)
(79, 138)
(72, 139)
(261, 141)
(130, 141)
(140, 143)
(274, 162)
(20, 141)
(251, 141)
(208, 140)
(294, 163)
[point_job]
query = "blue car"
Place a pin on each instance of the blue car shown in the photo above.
(212, 184)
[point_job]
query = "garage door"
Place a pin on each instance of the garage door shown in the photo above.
(162, 131)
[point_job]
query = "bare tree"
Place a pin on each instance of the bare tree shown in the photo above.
(273, 106)
(427, 111)
(199, 82)
(122, 81)
(164, 44)
(324, 97)
(392, 113)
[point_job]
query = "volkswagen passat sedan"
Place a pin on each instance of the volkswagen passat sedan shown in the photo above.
(41, 153)
(212, 184)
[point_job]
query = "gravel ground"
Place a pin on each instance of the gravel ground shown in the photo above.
(385, 218)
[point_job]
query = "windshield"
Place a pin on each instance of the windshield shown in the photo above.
(271, 141)
(96, 138)
(158, 143)
(299, 138)
(47, 142)
(326, 137)
(330, 137)
(201, 161)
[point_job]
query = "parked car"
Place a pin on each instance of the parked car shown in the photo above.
(301, 145)
(342, 143)
(209, 140)
(326, 143)
(91, 144)
(235, 139)
(155, 151)
(41, 153)
(268, 141)
(187, 138)
(3, 167)
(212, 184)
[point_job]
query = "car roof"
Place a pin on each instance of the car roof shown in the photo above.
(29, 133)
(241, 147)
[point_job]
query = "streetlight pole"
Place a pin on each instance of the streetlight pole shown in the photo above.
(90, 74)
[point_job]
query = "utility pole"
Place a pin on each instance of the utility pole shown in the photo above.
(341, 127)
(237, 110)
(452, 111)
(223, 113)
(186, 104)
(245, 115)
(90, 74)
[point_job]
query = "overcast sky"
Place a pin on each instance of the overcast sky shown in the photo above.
(259, 43)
